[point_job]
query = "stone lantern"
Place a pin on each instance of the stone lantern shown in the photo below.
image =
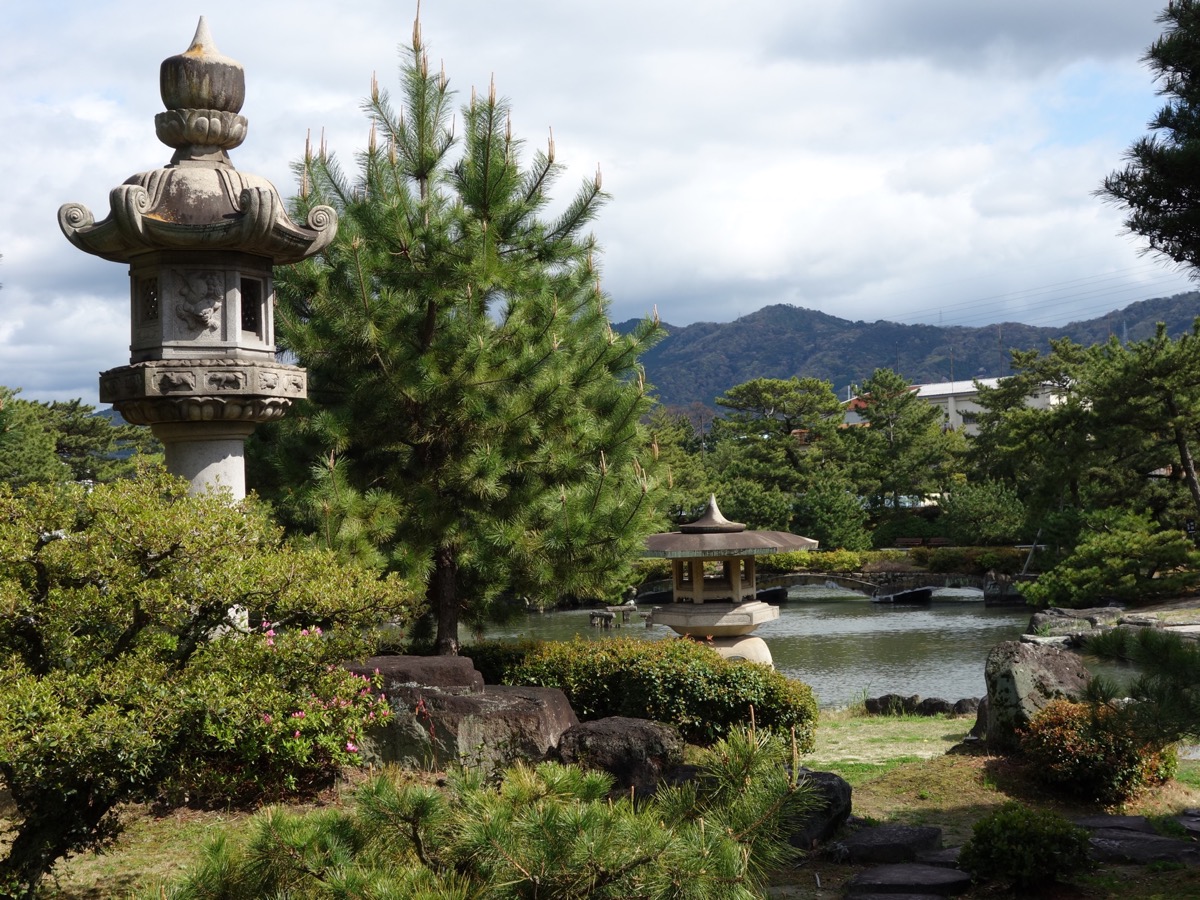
(713, 582)
(200, 239)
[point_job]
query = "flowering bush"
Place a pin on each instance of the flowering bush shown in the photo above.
(283, 726)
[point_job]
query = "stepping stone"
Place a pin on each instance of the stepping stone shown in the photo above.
(908, 879)
(1125, 823)
(1191, 822)
(947, 858)
(1121, 846)
(890, 843)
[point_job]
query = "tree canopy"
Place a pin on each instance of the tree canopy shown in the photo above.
(1158, 185)
(122, 669)
(473, 419)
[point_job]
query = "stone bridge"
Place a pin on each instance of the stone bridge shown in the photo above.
(870, 582)
(864, 582)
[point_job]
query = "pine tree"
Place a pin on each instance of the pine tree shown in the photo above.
(902, 453)
(1159, 183)
(473, 419)
(27, 444)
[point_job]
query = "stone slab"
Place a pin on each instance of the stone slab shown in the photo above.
(890, 843)
(908, 879)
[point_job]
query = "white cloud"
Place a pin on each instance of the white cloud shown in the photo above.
(873, 159)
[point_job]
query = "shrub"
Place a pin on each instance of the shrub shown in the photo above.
(1122, 557)
(919, 556)
(811, 561)
(958, 560)
(1005, 560)
(649, 569)
(680, 682)
(545, 831)
(496, 660)
(1024, 847)
(1094, 753)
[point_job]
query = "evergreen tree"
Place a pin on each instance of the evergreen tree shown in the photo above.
(902, 453)
(1168, 707)
(27, 445)
(472, 416)
(775, 429)
(552, 831)
(680, 453)
(1159, 184)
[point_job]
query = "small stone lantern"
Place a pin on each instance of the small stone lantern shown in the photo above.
(721, 606)
(200, 239)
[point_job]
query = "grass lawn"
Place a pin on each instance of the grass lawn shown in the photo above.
(897, 765)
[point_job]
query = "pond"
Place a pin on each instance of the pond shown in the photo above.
(846, 647)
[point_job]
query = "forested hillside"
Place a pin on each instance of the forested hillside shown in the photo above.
(701, 361)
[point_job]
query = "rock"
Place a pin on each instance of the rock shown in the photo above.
(636, 752)
(968, 706)
(1022, 679)
(891, 704)
(889, 844)
(979, 731)
(822, 823)
(1119, 845)
(1125, 823)
(456, 719)
(772, 595)
(1189, 819)
(908, 879)
(946, 858)
(1073, 624)
(449, 674)
(934, 706)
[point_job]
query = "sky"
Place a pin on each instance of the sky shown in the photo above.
(920, 161)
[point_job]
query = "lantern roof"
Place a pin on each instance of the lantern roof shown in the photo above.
(712, 535)
(198, 200)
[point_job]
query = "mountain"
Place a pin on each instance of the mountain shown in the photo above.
(700, 362)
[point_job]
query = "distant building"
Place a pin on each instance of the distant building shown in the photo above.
(958, 401)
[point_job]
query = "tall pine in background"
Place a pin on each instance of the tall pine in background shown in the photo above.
(473, 419)
(1159, 184)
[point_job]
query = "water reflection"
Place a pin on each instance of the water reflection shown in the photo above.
(846, 647)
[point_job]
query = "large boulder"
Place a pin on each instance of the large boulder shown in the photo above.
(1022, 679)
(443, 714)
(637, 753)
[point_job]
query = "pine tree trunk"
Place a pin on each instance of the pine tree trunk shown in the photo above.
(1185, 454)
(443, 598)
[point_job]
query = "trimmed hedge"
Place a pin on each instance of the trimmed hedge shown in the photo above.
(810, 561)
(679, 682)
(1093, 753)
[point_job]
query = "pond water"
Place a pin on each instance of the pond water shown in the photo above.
(846, 647)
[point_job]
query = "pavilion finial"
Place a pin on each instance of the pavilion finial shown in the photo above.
(712, 521)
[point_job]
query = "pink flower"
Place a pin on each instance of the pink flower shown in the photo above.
(350, 747)
(270, 642)
(316, 631)
(295, 734)
(298, 714)
(304, 632)
(267, 717)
